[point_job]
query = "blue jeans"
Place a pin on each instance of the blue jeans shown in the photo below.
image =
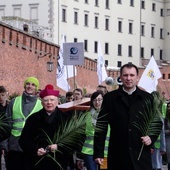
(90, 164)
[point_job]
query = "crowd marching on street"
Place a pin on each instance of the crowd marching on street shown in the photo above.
(36, 134)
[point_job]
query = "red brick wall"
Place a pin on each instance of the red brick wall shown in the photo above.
(19, 58)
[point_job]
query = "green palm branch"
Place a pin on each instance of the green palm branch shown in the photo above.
(4, 126)
(152, 124)
(69, 135)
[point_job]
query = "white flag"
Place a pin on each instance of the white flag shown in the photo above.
(101, 70)
(150, 76)
(63, 72)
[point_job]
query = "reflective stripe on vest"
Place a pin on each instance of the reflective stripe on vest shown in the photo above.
(89, 142)
(164, 109)
(18, 117)
(157, 143)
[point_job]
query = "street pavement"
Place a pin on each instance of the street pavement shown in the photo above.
(3, 165)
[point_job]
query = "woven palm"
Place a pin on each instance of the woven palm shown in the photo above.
(152, 124)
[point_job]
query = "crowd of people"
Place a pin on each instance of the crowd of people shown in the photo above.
(110, 136)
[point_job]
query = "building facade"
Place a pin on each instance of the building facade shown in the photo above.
(129, 31)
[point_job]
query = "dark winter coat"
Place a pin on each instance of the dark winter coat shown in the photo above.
(121, 111)
(33, 138)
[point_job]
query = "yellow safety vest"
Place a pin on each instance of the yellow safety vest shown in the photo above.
(18, 117)
(89, 142)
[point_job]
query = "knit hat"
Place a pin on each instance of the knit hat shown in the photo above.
(49, 90)
(32, 80)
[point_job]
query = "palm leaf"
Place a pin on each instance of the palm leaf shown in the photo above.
(152, 124)
(4, 126)
(69, 134)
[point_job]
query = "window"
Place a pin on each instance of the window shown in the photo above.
(96, 22)
(95, 47)
(2, 11)
(17, 10)
(161, 12)
(153, 7)
(152, 31)
(142, 30)
(34, 12)
(131, 2)
(168, 12)
(86, 45)
(119, 1)
(75, 17)
(86, 19)
(161, 54)
(119, 26)
(106, 62)
(63, 15)
(86, 1)
(152, 52)
(75, 39)
(168, 76)
(106, 48)
(161, 33)
(107, 4)
(119, 64)
(129, 51)
(119, 49)
(143, 4)
(163, 76)
(130, 28)
(96, 2)
(142, 52)
(106, 24)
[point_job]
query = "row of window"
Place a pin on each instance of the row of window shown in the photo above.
(119, 50)
(120, 23)
(131, 3)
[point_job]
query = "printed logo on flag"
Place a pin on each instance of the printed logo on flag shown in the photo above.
(151, 74)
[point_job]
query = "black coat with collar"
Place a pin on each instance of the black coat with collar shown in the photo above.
(33, 138)
(120, 110)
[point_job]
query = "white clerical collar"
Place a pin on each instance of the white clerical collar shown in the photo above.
(48, 113)
(129, 93)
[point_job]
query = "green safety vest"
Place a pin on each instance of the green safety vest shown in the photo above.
(157, 143)
(164, 109)
(89, 142)
(18, 117)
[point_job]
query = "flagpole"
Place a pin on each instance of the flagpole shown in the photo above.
(74, 77)
(67, 75)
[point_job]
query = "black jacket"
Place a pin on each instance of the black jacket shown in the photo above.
(121, 111)
(33, 138)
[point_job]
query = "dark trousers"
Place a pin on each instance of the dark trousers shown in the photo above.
(18, 161)
(168, 166)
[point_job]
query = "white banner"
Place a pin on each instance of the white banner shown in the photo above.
(64, 71)
(101, 70)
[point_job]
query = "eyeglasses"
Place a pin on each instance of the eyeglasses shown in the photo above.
(97, 100)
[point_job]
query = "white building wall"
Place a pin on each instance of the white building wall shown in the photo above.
(167, 30)
(50, 15)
